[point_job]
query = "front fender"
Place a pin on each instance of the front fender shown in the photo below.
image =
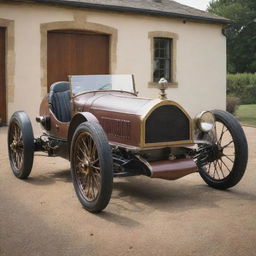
(76, 121)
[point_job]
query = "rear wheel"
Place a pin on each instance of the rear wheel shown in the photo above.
(91, 166)
(20, 144)
(227, 158)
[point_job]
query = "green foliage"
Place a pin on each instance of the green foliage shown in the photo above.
(241, 34)
(246, 114)
(232, 104)
(242, 86)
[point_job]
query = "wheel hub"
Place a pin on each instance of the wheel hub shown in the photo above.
(214, 153)
(14, 146)
(86, 167)
(208, 153)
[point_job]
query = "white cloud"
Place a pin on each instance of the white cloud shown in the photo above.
(199, 4)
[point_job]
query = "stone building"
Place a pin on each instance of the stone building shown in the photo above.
(43, 41)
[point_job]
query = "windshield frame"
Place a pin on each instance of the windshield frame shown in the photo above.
(133, 92)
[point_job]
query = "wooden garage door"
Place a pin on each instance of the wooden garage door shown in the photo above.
(76, 53)
(2, 77)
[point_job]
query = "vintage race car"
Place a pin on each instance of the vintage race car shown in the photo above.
(105, 130)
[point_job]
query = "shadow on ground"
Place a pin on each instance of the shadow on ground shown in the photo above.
(139, 194)
(118, 219)
(49, 178)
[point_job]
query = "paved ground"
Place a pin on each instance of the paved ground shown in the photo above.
(42, 216)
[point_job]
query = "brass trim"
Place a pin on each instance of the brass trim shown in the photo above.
(155, 85)
(151, 147)
(148, 109)
(162, 144)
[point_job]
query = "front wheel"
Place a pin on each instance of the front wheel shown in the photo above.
(227, 158)
(91, 166)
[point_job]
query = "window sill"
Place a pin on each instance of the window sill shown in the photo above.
(170, 85)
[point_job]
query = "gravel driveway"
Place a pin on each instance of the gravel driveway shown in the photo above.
(42, 216)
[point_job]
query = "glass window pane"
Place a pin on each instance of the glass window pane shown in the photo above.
(162, 64)
(162, 53)
(156, 53)
(162, 73)
(162, 58)
(167, 69)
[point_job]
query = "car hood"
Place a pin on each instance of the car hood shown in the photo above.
(123, 103)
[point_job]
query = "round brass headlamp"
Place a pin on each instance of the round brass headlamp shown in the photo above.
(205, 121)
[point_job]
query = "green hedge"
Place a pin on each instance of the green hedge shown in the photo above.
(242, 86)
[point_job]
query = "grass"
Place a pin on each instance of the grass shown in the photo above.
(247, 114)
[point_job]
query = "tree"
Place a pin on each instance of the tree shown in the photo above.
(241, 34)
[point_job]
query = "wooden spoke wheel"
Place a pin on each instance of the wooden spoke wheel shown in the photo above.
(20, 144)
(91, 166)
(227, 159)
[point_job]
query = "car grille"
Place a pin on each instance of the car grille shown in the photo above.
(117, 127)
(167, 123)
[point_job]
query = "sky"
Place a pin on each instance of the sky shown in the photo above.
(199, 4)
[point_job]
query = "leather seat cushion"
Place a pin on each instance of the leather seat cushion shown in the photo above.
(61, 106)
(59, 101)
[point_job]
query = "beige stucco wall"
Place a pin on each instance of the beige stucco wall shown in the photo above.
(201, 54)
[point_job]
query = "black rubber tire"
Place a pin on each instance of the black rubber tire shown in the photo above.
(241, 153)
(105, 162)
(23, 123)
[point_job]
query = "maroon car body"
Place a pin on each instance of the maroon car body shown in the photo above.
(111, 132)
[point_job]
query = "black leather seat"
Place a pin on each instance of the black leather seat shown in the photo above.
(59, 100)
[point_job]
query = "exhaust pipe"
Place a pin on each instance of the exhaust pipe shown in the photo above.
(171, 170)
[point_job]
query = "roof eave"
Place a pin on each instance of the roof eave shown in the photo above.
(134, 10)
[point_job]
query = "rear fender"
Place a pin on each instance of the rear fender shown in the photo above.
(76, 121)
